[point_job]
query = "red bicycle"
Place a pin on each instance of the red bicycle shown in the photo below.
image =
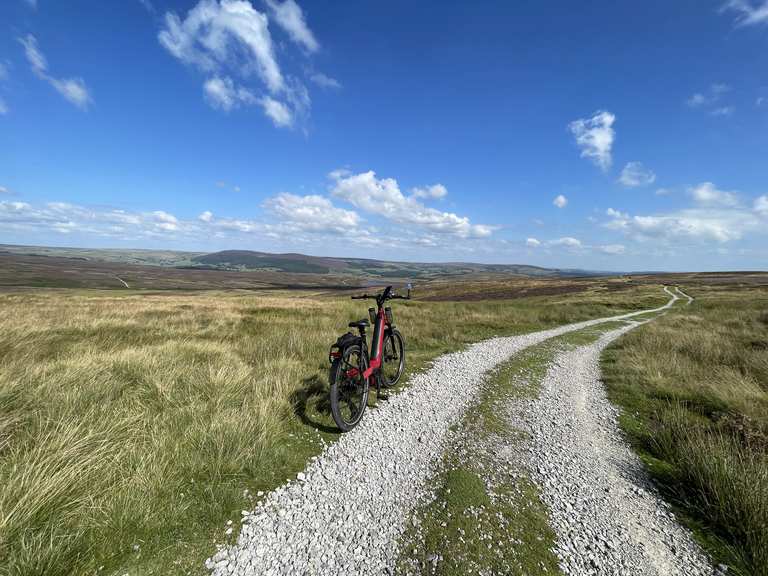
(353, 370)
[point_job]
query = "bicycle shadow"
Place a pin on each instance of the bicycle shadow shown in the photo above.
(311, 402)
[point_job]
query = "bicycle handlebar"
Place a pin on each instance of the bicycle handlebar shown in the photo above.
(378, 296)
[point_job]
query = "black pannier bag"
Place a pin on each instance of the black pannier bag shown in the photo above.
(343, 341)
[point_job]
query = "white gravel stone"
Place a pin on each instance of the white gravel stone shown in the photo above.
(355, 498)
(608, 517)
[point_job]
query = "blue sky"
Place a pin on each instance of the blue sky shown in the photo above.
(619, 135)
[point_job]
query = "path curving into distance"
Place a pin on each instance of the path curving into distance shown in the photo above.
(684, 295)
(346, 511)
(607, 515)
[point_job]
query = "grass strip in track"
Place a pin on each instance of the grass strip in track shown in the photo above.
(486, 516)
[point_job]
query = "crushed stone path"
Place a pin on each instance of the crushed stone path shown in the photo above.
(608, 517)
(345, 513)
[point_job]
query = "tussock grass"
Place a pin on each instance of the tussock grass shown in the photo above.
(133, 426)
(694, 385)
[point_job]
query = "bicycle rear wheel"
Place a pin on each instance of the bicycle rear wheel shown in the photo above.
(393, 358)
(349, 389)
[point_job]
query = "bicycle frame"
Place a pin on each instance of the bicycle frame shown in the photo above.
(377, 343)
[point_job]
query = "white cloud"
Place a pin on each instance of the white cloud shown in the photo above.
(717, 220)
(635, 175)
(34, 56)
(324, 81)
(312, 213)
(612, 249)
(435, 191)
(723, 111)
(148, 6)
(761, 205)
(748, 12)
(383, 197)
(663, 192)
(595, 136)
(72, 89)
(290, 18)
(616, 214)
(206, 216)
(532, 242)
(709, 99)
(230, 41)
(707, 194)
(212, 32)
(165, 221)
(63, 217)
(698, 99)
(278, 112)
(567, 241)
(4, 190)
(560, 201)
(222, 93)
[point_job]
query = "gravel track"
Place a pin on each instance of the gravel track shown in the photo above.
(608, 517)
(346, 511)
(684, 295)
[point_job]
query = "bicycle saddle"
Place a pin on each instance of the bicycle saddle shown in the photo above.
(359, 324)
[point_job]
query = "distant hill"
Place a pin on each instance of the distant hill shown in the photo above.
(301, 263)
(359, 269)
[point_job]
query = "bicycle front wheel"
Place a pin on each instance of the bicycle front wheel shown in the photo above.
(349, 389)
(393, 358)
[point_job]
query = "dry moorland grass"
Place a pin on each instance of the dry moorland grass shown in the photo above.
(694, 387)
(131, 425)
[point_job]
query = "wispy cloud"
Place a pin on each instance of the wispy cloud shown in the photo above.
(594, 137)
(612, 249)
(148, 6)
(290, 18)
(723, 111)
(748, 12)
(230, 42)
(300, 219)
(72, 89)
(384, 198)
(710, 100)
(324, 81)
(635, 174)
(222, 93)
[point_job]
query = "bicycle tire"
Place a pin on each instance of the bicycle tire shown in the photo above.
(342, 387)
(397, 346)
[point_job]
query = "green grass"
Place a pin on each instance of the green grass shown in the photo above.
(694, 388)
(133, 426)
